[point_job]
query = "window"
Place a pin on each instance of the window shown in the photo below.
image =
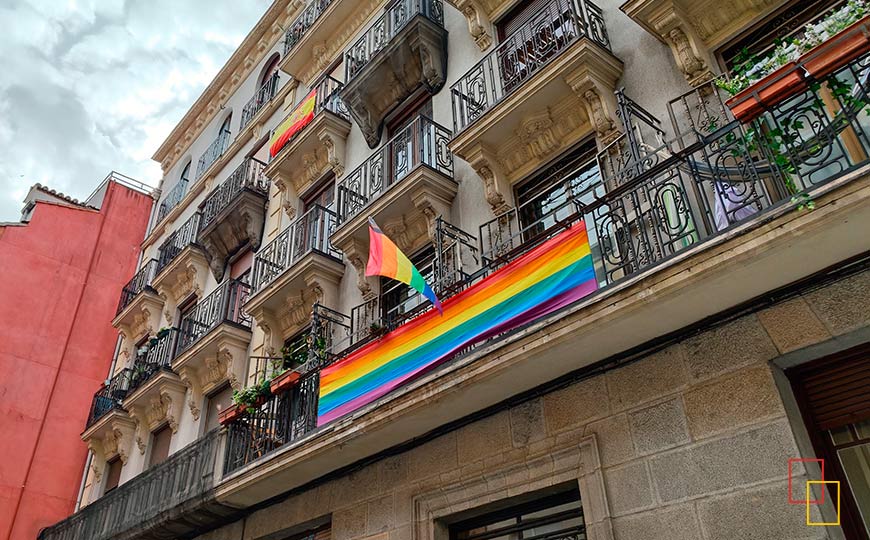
(240, 268)
(269, 69)
(225, 126)
(401, 130)
(215, 403)
(323, 195)
(548, 198)
(786, 23)
(185, 173)
(160, 440)
(397, 299)
(551, 517)
(113, 474)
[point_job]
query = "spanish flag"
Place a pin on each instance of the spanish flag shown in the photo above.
(301, 116)
(385, 259)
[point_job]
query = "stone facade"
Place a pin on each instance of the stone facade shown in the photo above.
(692, 442)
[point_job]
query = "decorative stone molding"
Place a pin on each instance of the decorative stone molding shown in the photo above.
(479, 26)
(238, 68)
(239, 224)
(194, 393)
(577, 464)
(110, 436)
(357, 254)
(141, 318)
(694, 29)
(594, 83)
(158, 400)
(98, 472)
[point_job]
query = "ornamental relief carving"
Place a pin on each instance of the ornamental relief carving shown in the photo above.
(190, 380)
(538, 137)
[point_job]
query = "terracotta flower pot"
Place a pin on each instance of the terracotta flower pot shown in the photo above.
(284, 381)
(789, 80)
(231, 414)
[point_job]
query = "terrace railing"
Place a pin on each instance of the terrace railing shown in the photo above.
(556, 26)
(173, 198)
(158, 356)
(183, 478)
(261, 97)
(110, 396)
(422, 144)
(385, 28)
(138, 283)
(214, 151)
(299, 27)
(247, 176)
(223, 305)
(176, 242)
(308, 233)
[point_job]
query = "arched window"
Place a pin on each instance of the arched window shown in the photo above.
(185, 173)
(269, 69)
(225, 127)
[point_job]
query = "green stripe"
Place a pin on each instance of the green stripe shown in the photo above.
(417, 281)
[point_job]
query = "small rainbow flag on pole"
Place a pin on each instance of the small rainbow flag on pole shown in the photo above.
(385, 259)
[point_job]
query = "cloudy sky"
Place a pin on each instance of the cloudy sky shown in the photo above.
(88, 86)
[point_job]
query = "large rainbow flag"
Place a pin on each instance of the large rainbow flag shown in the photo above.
(301, 116)
(549, 277)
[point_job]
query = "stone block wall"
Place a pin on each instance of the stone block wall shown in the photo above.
(690, 442)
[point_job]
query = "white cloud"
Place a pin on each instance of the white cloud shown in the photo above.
(94, 85)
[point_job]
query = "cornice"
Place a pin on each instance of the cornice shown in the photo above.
(265, 34)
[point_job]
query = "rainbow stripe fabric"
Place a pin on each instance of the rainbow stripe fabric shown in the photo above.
(547, 278)
(301, 116)
(386, 259)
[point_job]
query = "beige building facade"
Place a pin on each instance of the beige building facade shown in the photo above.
(722, 362)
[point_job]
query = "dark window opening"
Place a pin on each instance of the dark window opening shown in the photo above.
(113, 474)
(269, 69)
(215, 403)
(160, 440)
(552, 517)
(323, 195)
(398, 299)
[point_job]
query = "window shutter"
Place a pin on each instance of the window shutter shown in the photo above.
(522, 13)
(836, 391)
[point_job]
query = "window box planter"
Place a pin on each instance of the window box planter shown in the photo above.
(234, 412)
(284, 381)
(790, 79)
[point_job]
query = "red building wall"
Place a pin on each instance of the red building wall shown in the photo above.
(60, 279)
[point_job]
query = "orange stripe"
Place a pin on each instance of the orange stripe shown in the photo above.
(390, 260)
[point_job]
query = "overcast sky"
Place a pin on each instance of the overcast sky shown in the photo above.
(88, 86)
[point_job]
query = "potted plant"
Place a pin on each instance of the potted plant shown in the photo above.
(376, 330)
(838, 38)
(284, 381)
(163, 332)
(245, 400)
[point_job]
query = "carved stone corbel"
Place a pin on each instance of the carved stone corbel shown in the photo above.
(479, 25)
(225, 358)
(595, 86)
(334, 147)
(358, 257)
(194, 392)
(288, 204)
(674, 28)
(141, 427)
(98, 472)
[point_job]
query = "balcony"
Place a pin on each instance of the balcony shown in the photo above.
(173, 199)
(318, 34)
(404, 185)
(181, 264)
(109, 431)
(405, 50)
(213, 342)
(139, 307)
(299, 268)
(687, 225)
(540, 91)
(316, 150)
(169, 500)
(233, 215)
(109, 397)
(262, 97)
(214, 151)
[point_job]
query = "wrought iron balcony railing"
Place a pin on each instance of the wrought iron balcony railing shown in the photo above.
(556, 26)
(173, 198)
(214, 151)
(327, 100)
(422, 144)
(223, 305)
(184, 478)
(303, 22)
(289, 415)
(385, 28)
(156, 355)
(176, 242)
(138, 283)
(260, 98)
(110, 396)
(247, 176)
(309, 233)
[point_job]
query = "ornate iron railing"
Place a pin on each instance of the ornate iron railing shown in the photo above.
(214, 151)
(173, 198)
(138, 283)
(289, 415)
(223, 305)
(183, 478)
(303, 22)
(308, 233)
(176, 242)
(261, 97)
(385, 28)
(422, 143)
(556, 26)
(109, 396)
(247, 176)
(156, 355)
